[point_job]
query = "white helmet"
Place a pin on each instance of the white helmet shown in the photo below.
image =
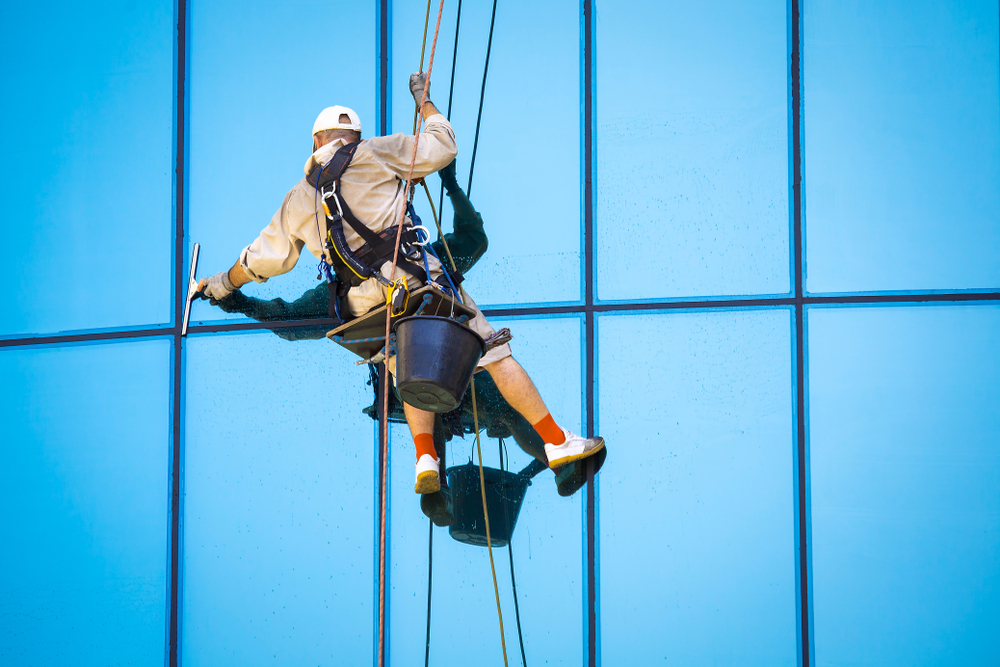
(329, 119)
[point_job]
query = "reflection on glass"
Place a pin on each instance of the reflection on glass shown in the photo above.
(697, 506)
(527, 170)
(902, 145)
(85, 491)
(692, 149)
(278, 505)
(904, 470)
(537, 520)
(86, 141)
(255, 90)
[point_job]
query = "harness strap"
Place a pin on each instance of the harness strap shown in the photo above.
(366, 261)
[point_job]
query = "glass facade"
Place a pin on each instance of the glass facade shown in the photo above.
(752, 246)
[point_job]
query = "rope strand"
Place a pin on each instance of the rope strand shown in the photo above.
(482, 96)
(486, 516)
(385, 385)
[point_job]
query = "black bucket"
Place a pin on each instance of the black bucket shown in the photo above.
(504, 493)
(435, 359)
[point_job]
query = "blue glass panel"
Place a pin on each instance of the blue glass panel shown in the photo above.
(697, 504)
(260, 74)
(85, 491)
(546, 540)
(902, 141)
(692, 149)
(527, 174)
(86, 146)
(904, 439)
(278, 504)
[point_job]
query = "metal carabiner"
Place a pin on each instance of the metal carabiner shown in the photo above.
(336, 199)
(427, 235)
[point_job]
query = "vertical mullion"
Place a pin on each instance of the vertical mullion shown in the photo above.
(588, 282)
(180, 294)
(802, 473)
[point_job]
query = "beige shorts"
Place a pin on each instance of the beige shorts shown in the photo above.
(371, 293)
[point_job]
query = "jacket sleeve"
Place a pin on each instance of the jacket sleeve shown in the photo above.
(436, 149)
(277, 248)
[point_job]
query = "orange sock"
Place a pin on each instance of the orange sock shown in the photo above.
(550, 432)
(425, 445)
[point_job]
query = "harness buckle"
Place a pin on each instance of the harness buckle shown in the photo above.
(336, 200)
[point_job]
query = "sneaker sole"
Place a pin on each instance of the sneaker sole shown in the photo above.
(427, 482)
(559, 463)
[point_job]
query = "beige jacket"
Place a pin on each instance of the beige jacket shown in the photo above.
(372, 186)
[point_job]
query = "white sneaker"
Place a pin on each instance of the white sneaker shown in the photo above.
(428, 475)
(573, 449)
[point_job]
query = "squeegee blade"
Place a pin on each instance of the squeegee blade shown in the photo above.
(191, 289)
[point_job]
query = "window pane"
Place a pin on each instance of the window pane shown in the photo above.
(260, 74)
(692, 149)
(697, 511)
(546, 540)
(85, 488)
(902, 121)
(527, 173)
(904, 440)
(278, 504)
(86, 141)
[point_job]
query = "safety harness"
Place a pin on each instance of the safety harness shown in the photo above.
(353, 267)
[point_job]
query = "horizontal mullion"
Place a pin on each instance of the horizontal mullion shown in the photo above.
(955, 297)
(86, 337)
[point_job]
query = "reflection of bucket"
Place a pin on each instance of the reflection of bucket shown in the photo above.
(504, 493)
(435, 359)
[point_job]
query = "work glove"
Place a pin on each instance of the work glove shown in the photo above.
(218, 286)
(417, 81)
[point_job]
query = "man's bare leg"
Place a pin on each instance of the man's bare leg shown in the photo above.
(518, 389)
(561, 447)
(421, 423)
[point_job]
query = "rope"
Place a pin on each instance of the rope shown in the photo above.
(486, 516)
(430, 571)
(510, 553)
(451, 89)
(482, 96)
(423, 47)
(385, 388)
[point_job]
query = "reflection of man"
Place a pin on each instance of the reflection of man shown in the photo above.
(467, 243)
(371, 182)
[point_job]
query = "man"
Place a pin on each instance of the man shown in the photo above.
(373, 186)
(467, 242)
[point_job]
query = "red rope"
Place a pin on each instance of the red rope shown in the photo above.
(385, 383)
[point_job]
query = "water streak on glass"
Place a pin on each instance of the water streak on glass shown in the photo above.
(543, 516)
(904, 441)
(86, 165)
(84, 487)
(278, 505)
(902, 145)
(527, 174)
(692, 150)
(697, 520)
(260, 74)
